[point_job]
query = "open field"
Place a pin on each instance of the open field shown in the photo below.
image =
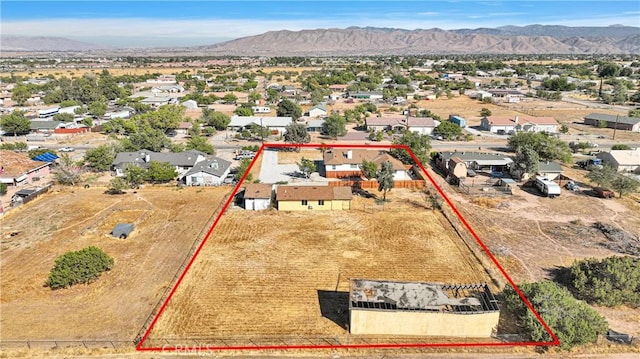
(263, 274)
(115, 307)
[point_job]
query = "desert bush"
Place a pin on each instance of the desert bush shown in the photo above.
(83, 266)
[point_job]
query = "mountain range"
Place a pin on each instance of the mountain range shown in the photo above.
(532, 39)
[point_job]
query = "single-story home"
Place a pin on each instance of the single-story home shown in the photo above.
(420, 125)
(550, 170)
(210, 172)
(277, 123)
(315, 125)
(340, 163)
(157, 101)
(302, 198)
(16, 168)
(477, 161)
(257, 196)
(319, 110)
(512, 96)
(184, 127)
(183, 161)
(495, 124)
(168, 89)
(373, 95)
(44, 126)
(612, 121)
(622, 160)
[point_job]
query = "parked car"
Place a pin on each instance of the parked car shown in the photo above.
(230, 179)
(603, 193)
(245, 154)
(572, 186)
(67, 149)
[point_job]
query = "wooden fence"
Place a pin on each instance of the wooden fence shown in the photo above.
(373, 184)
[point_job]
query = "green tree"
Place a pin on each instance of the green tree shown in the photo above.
(3, 189)
(385, 178)
(334, 126)
(526, 161)
(549, 148)
(218, 120)
(288, 108)
(635, 112)
(97, 108)
(165, 118)
(602, 176)
(100, 158)
(83, 266)
(369, 169)
(242, 168)
(69, 103)
(419, 144)
(306, 166)
(620, 146)
(624, 184)
(63, 117)
(20, 94)
(448, 130)
(574, 322)
(117, 186)
(230, 98)
(296, 133)
(67, 172)
(134, 175)
(201, 144)
(564, 129)
(146, 138)
(254, 96)
(610, 281)
(485, 112)
(161, 172)
(243, 111)
(15, 123)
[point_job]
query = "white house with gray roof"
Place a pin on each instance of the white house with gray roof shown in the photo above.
(210, 172)
(277, 123)
(183, 161)
(613, 121)
(622, 160)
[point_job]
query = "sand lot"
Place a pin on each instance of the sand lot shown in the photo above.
(167, 220)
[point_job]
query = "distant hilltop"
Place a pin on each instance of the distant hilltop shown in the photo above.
(43, 43)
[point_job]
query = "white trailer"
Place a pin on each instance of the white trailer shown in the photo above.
(547, 187)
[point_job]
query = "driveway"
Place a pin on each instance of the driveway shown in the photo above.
(272, 172)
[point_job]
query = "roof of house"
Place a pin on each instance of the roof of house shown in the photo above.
(312, 193)
(337, 156)
(15, 164)
(156, 99)
(613, 118)
(508, 121)
(44, 124)
(547, 167)
(482, 158)
(626, 157)
(315, 123)
(214, 166)
(257, 190)
(400, 120)
(181, 159)
(185, 125)
(505, 92)
(266, 121)
(320, 106)
(395, 295)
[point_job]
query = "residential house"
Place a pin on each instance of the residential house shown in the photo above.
(184, 127)
(338, 88)
(369, 95)
(302, 198)
(275, 124)
(210, 172)
(183, 161)
(16, 168)
(612, 121)
(157, 101)
(479, 95)
(477, 161)
(452, 77)
(550, 170)
(399, 123)
(190, 104)
(511, 96)
(319, 110)
(622, 160)
(164, 89)
(341, 163)
(257, 196)
(506, 125)
(315, 125)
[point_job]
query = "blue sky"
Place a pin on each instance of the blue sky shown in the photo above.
(185, 23)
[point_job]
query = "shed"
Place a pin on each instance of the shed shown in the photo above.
(122, 230)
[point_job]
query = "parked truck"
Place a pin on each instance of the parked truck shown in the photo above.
(547, 187)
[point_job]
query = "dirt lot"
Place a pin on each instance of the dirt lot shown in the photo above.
(290, 256)
(532, 235)
(117, 304)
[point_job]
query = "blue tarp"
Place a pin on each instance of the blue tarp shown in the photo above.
(46, 157)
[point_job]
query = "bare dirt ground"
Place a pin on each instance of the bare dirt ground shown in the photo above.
(290, 257)
(116, 305)
(533, 235)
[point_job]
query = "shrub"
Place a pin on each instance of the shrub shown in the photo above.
(572, 321)
(611, 281)
(3, 188)
(83, 266)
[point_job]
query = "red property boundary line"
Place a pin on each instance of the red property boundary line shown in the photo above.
(554, 342)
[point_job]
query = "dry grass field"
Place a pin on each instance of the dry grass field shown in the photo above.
(262, 274)
(115, 306)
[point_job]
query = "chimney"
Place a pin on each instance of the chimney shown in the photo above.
(515, 119)
(349, 154)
